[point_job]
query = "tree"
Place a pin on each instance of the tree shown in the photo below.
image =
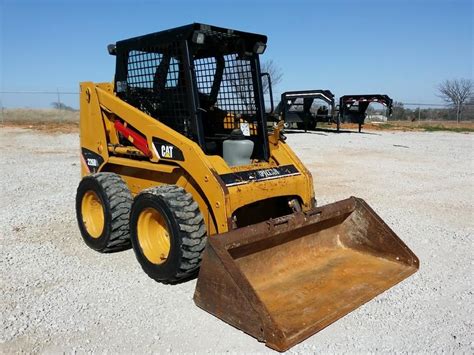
(275, 72)
(469, 109)
(240, 79)
(61, 106)
(456, 92)
(398, 112)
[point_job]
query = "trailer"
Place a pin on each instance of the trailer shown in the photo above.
(353, 108)
(304, 109)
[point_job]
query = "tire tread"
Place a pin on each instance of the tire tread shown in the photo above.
(120, 203)
(191, 226)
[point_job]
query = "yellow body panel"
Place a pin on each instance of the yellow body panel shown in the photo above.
(198, 173)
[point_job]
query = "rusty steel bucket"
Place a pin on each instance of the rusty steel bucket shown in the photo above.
(284, 280)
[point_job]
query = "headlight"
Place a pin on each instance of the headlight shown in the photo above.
(259, 48)
(198, 37)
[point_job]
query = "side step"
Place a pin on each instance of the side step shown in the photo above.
(285, 279)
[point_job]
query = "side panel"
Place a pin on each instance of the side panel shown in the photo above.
(194, 160)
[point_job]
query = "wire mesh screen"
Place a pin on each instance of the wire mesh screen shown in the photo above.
(156, 84)
(236, 93)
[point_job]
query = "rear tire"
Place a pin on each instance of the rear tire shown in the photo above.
(168, 233)
(103, 204)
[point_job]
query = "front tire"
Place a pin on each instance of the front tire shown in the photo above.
(168, 233)
(103, 204)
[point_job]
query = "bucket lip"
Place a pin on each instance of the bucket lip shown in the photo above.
(253, 233)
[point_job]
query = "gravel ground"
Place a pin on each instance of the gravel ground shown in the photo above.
(60, 296)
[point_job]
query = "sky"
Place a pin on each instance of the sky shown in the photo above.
(402, 48)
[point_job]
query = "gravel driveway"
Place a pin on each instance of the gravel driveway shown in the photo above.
(60, 296)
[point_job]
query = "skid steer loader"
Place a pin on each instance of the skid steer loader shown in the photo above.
(177, 163)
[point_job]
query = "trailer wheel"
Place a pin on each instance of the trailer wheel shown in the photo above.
(168, 233)
(103, 204)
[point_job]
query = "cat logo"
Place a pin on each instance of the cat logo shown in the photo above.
(92, 162)
(167, 151)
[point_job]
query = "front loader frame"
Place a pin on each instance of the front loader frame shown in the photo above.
(219, 190)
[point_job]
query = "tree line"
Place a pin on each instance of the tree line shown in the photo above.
(403, 113)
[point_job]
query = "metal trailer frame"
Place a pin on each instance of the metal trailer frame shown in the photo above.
(307, 121)
(347, 101)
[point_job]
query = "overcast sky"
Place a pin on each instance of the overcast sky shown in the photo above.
(401, 48)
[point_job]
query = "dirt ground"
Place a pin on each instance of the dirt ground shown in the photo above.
(60, 296)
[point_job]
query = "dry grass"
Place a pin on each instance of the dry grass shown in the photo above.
(38, 116)
(50, 120)
(429, 126)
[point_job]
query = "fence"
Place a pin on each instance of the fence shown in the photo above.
(67, 101)
(40, 99)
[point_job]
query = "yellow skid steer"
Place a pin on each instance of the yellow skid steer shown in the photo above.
(178, 163)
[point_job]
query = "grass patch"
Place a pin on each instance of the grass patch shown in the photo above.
(47, 120)
(426, 126)
(447, 129)
(385, 126)
(33, 117)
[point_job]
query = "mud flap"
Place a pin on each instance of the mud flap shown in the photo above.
(284, 280)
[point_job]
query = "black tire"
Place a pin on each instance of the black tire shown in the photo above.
(186, 229)
(116, 201)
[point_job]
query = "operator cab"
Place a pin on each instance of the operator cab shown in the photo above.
(202, 81)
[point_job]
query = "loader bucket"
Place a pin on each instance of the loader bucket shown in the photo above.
(285, 279)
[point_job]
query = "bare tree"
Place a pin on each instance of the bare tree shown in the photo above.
(240, 79)
(60, 106)
(275, 72)
(456, 92)
(398, 111)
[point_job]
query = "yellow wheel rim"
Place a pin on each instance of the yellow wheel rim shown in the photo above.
(92, 214)
(153, 236)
